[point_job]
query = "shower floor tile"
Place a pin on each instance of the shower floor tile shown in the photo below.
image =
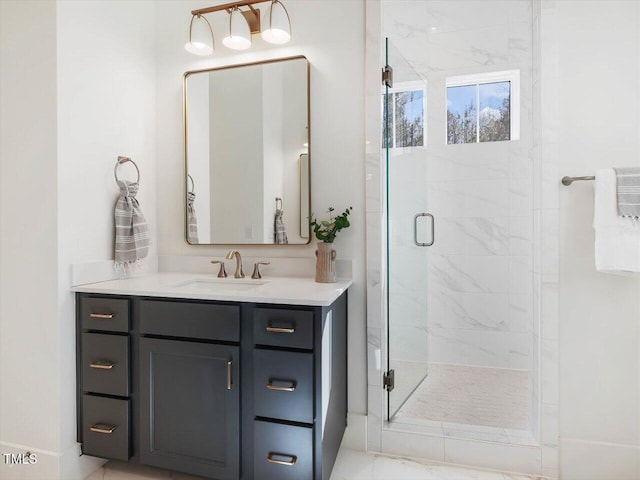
(480, 403)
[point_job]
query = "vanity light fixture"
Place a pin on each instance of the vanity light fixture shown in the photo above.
(238, 36)
(241, 25)
(201, 37)
(277, 24)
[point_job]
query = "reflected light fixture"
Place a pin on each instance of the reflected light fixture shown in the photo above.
(241, 25)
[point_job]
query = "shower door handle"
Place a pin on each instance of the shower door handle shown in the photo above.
(415, 229)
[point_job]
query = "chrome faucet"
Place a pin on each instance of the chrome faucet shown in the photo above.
(234, 253)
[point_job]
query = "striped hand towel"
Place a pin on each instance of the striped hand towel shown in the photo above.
(192, 221)
(132, 232)
(628, 190)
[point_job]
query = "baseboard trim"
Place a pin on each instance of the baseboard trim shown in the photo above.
(46, 464)
(355, 437)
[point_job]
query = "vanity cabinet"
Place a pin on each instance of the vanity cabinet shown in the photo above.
(222, 390)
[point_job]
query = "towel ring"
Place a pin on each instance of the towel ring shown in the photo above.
(278, 202)
(122, 160)
(193, 185)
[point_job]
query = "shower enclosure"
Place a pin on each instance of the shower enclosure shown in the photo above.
(457, 163)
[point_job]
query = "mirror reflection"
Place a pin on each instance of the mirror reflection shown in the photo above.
(246, 150)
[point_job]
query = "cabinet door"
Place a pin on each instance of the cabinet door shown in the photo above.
(190, 407)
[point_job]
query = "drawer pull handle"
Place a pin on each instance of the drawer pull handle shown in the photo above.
(280, 330)
(101, 428)
(102, 365)
(282, 388)
(103, 316)
(271, 458)
(229, 379)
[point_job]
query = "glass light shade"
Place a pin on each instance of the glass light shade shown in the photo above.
(276, 25)
(239, 35)
(200, 37)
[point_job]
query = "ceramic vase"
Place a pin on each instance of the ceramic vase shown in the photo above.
(325, 263)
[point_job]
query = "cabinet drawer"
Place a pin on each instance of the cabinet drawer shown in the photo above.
(283, 385)
(103, 313)
(282, 452)
(105, 427)
(283, 328)
(193, 320)
(105, 364)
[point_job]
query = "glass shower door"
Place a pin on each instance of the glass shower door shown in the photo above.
(410, 229)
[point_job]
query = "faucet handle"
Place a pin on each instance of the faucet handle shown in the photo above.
(222, 273)
(256, 270)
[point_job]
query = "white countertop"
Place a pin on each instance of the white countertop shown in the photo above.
(278, 290)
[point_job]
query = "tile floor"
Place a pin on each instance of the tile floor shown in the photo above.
(350, 465)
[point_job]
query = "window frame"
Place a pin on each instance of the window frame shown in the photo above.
(476, 79)
(409, 86)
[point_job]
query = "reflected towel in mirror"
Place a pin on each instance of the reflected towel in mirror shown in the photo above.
(192, 220)
(279, 230)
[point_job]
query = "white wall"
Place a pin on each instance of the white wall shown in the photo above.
(337, 137)
(106, 108)
(77, 91)
(591, 84)
(30, 345)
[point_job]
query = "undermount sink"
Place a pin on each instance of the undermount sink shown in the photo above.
(215, 285)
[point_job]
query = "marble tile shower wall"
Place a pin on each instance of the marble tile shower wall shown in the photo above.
(480, 289)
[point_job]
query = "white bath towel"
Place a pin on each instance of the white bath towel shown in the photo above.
(617, 243)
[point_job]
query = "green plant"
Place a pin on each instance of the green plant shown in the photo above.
(326, 230)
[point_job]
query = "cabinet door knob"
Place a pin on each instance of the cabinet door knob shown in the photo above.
(282, 388)
(102, 365)
(103, 316)
(102, 428)
(280, 330)
(271, 458)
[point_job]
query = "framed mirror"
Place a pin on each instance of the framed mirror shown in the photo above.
(246, 131)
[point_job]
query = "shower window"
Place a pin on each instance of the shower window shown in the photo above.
(483, 107)
(406, 116)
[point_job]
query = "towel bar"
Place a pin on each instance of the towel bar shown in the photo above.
(569, 180)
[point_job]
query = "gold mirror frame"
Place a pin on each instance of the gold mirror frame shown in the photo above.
(186, 75)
